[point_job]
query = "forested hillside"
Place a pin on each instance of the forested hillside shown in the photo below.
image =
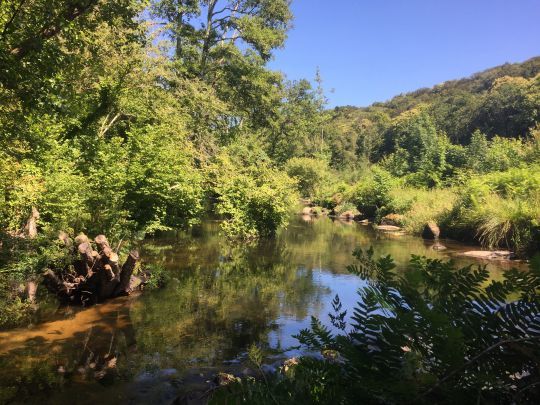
(464, 154)
(501, 101)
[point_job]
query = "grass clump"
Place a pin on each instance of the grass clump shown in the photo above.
(418, 206)
(500, 210)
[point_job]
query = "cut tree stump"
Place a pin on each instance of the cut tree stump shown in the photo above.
(96, 275)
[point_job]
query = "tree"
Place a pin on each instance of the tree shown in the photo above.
(510, 109)
(226, 45)
(298, 129)
(211, 28)
(419, 149)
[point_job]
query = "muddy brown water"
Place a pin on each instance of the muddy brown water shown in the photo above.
(221, 297)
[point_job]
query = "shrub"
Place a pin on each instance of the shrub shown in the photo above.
(500, 209)
(499, 154)
(310, 173)
(254, 201)
(372, 196)
(418, 206)
(332, 194)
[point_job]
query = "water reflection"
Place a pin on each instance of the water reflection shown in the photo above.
(221, 298)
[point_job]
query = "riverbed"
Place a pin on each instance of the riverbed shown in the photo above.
(220, 298)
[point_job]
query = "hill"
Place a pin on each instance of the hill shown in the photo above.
(501, 101)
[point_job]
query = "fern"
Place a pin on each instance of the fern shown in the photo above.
(433, 334)
(448, 330)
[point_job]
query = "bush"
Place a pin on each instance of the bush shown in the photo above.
(22, 260)
(372, 196)
(418, 206)
(254, 201)
(310, 173)
(501, 209)
(499, 154)
(332, 194)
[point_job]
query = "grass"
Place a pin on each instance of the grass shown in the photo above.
(418, 206)
(496, 222)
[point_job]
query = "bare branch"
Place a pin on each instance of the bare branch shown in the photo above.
(105, 127)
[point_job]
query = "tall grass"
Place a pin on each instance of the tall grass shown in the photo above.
(500, 210)
(419, 206)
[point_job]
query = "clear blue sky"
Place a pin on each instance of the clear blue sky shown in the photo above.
(371, 50)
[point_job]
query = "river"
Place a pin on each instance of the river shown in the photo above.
(220, 298)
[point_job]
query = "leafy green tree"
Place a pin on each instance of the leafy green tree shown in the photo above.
(510, 107)
(419, 149)
(253, 198)
(298, 130)
(310, 173)
(226, 44)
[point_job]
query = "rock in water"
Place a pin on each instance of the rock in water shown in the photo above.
(388, 228)
(431, 231)
(392, 219)
(490, 254)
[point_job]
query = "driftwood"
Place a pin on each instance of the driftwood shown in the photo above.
(95, 274)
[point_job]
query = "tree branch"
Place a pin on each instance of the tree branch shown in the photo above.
(13, 16)
(105, 127)
(73, 12)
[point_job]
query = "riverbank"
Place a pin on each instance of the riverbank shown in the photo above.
(498, 211)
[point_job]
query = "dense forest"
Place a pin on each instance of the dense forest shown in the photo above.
(132, 117)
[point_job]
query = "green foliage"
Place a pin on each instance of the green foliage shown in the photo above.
(372, 196)
(499, 154)
(311, 174)
(298, 130)
(419, 150)
(501, 209)
(308, 382)
(254, 199)
(22, 260)
(419, 206)
(434, 333)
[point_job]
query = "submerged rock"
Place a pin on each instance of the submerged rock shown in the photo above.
(490, 254)
(438, 246)
(388, 228)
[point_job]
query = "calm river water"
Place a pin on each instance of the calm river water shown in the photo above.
(221, 298)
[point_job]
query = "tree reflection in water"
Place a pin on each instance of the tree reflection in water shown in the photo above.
(220, 298)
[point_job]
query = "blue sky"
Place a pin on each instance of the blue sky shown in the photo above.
(371, 50)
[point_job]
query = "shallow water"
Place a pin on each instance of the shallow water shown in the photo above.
(220, 299)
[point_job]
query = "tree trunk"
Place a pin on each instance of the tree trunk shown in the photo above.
(98, 275)
(125, 275)
(30, 229)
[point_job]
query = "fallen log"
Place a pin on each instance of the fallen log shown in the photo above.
(95, 274)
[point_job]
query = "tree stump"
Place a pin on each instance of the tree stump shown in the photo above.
(95, 275)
